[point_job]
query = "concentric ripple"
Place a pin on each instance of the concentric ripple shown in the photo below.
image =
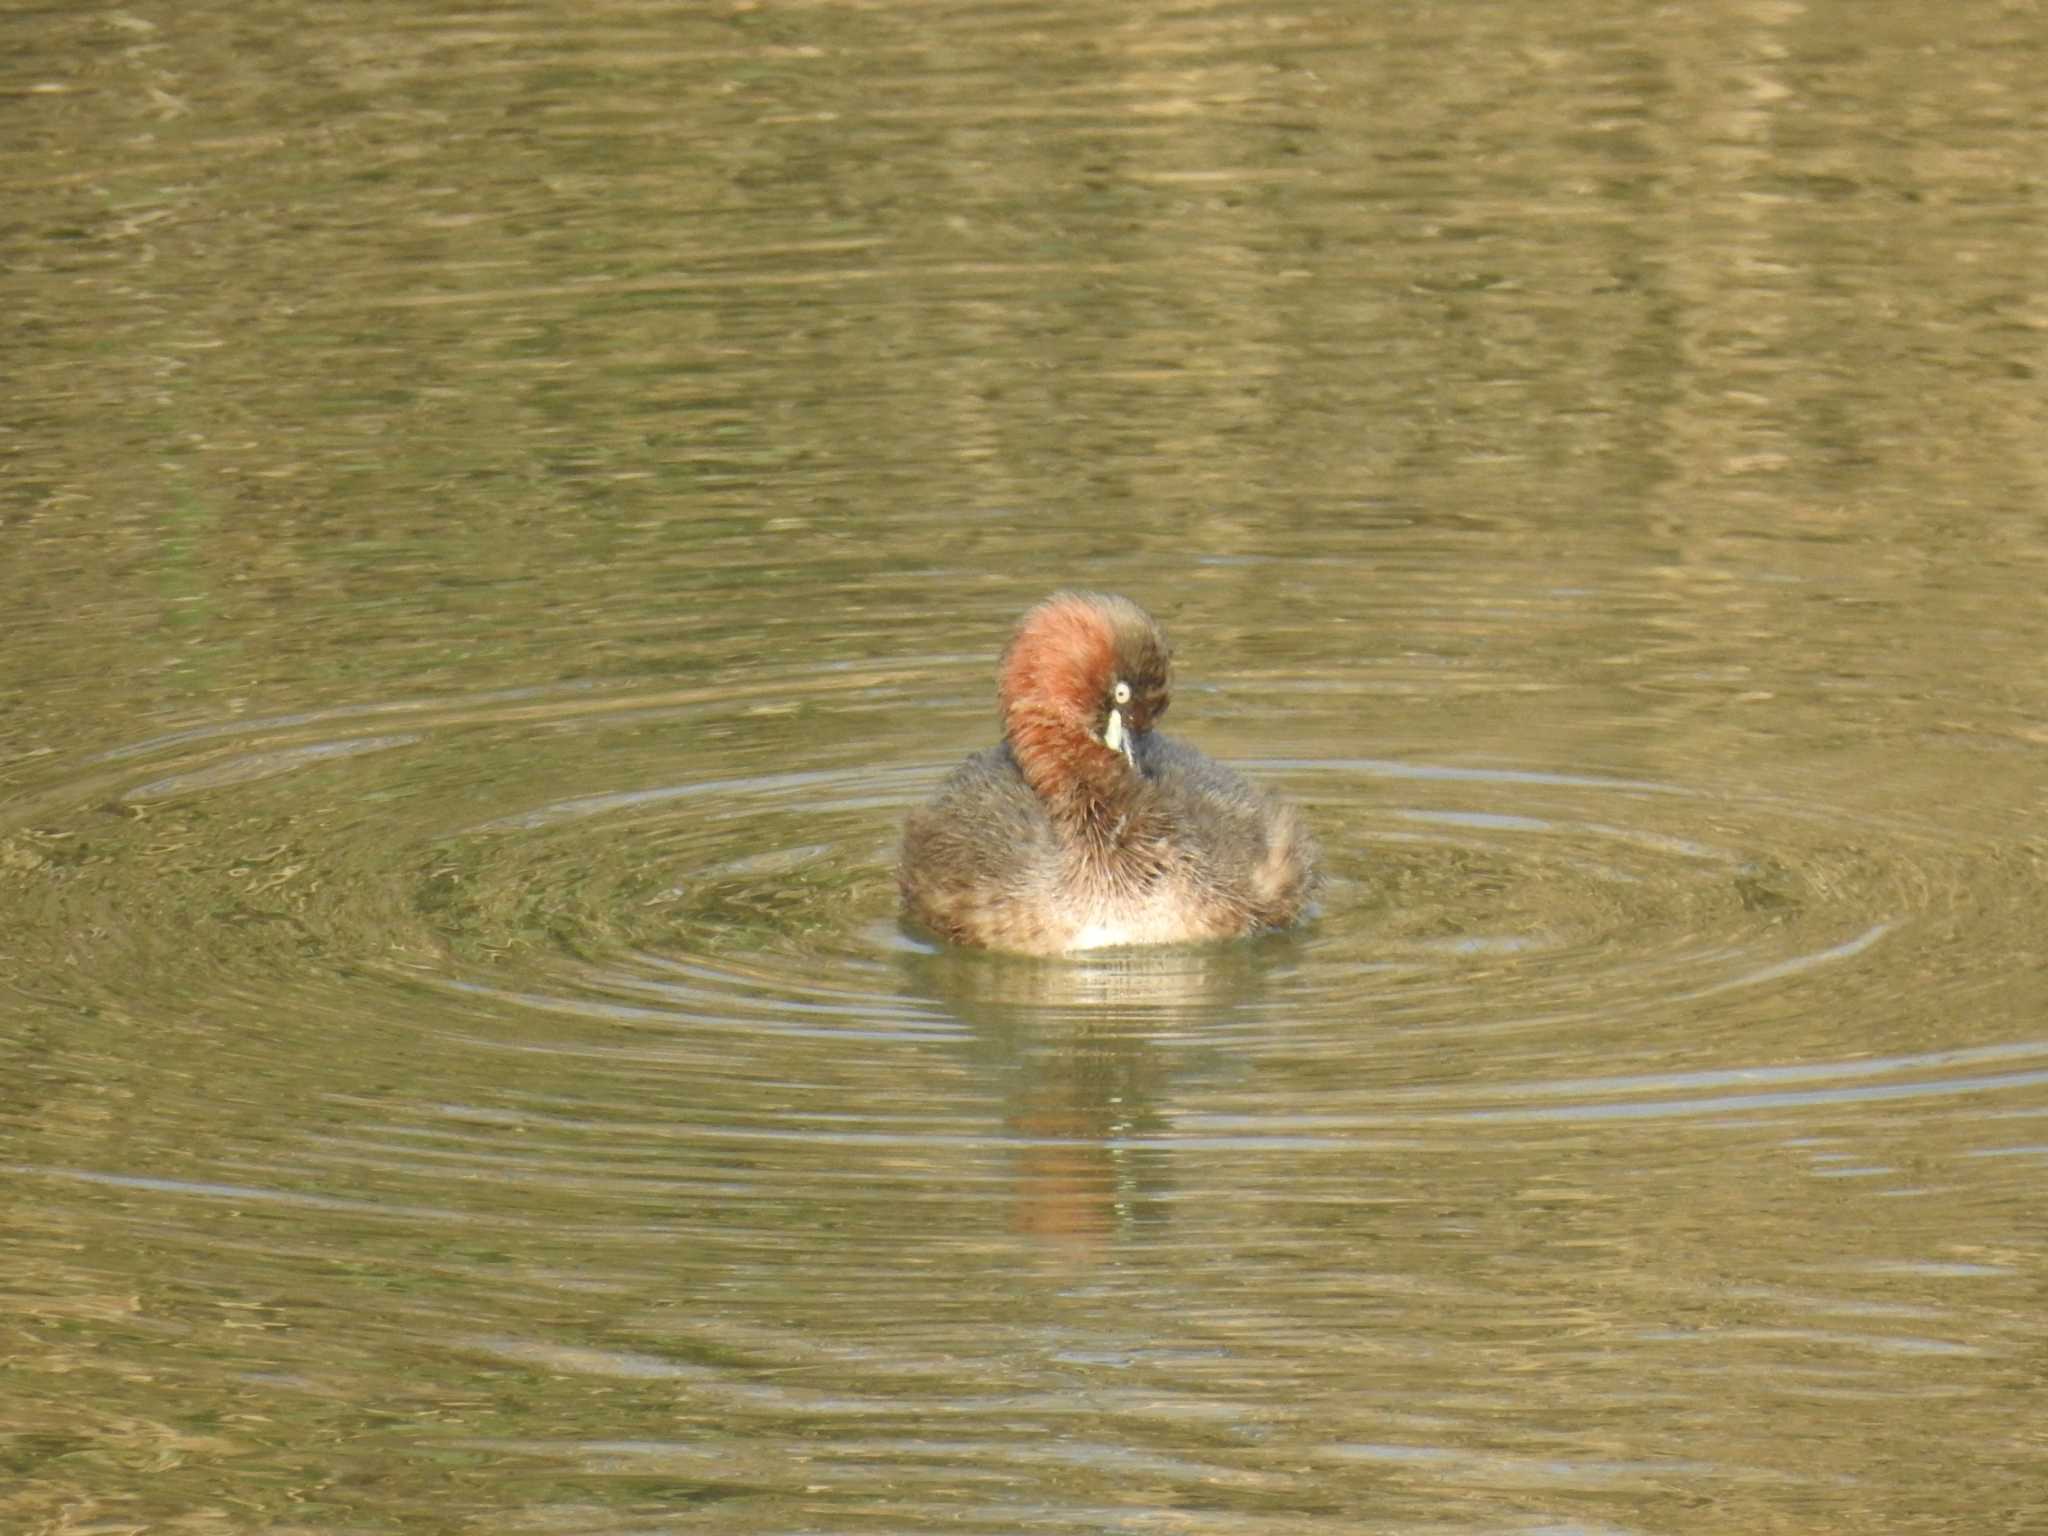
(571, 1036)
(565, 854)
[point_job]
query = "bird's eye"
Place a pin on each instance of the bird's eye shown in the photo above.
(1121, 693)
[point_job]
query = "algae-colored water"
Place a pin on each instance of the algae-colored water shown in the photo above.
(502, 510)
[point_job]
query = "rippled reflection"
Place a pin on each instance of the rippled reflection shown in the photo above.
(508, 510)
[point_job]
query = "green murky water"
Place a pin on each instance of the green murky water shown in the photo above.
(502, 510)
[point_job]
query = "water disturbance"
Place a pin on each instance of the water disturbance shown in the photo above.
(506, 511)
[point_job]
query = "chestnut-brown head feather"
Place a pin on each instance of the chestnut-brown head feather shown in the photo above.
(1057, 683)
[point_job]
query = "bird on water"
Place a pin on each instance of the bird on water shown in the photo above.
(1086, 828)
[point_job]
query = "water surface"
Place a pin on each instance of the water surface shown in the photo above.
(506, 509)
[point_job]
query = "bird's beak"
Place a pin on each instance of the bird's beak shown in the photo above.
(1116, 738)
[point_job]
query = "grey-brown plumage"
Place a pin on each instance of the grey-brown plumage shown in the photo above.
(1086, 827)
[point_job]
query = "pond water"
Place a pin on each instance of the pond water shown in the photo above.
(504, 509)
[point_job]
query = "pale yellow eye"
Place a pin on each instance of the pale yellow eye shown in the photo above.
(1121, 693)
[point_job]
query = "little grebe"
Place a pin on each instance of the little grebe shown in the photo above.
(1086, 828)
